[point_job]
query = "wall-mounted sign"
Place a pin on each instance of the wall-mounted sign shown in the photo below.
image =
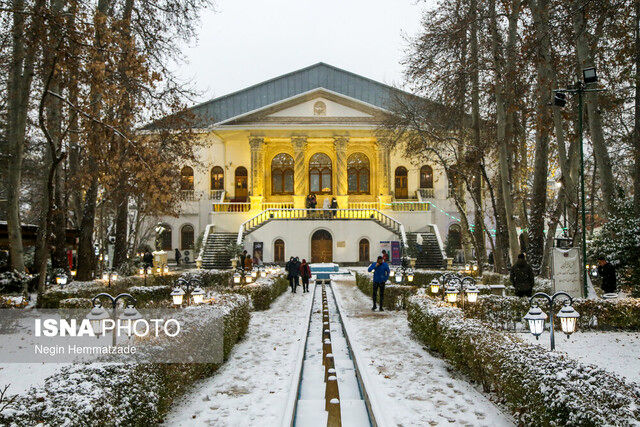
(341, 244)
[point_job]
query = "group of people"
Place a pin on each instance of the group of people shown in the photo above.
(297, 270)
(328, 205)
(247, 262)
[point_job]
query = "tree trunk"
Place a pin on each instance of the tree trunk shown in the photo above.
(120, 248)
(21, 71)
(86, 252)
(636, 129)
(540, 14)
(585, 59)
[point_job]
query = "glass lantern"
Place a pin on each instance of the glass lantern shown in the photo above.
(114, 277)
(410, 275)
(105, 276)
(435, 286)
(254, 273)
(236, 277)
(391, 273)
(263, 272)
(96, 318)
(166, 269)
(451, 294)
(130, 315)
(141, 271)
(568, 318)
(398, 276)
(73, 273)
(198, 295)
(248, 278)
(149, 271)
(177, 294)
(61, 280)
(472, 293)
(536, 318)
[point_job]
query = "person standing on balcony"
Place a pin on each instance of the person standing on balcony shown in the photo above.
(325, 207)
(305, 274)
(380, 276)
(334, 206)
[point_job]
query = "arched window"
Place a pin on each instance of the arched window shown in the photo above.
(358, 173)
(426, 177)
(363, 251)
(401, 188)
(282, 174)
(278, 251)
(186, 178)
(217, 178)
(186, 237)
(164, 237)
(320, 174)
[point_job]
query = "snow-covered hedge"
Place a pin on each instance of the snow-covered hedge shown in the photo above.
(123, 394)
(540, 387)
(395, 296)
(13, 281)
(506, 312)
(264, 291)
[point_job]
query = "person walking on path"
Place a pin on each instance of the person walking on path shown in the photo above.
(178, 256)
(305, 274)
(293, 272)
(522, 277)
(380, 275)
(607, 273)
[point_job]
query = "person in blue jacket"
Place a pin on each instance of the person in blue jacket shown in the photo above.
(380, 276)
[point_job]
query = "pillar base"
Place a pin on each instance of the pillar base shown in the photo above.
(299, 202)
(256, 202)
(385, 202)
(343, 202)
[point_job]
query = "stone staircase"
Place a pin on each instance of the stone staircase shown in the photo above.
(215, 254)
(431, 256)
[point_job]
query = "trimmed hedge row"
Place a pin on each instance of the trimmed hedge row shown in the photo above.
(263, 292)
(123, 394)
(540, 387)
(395, 296)
(505, 312)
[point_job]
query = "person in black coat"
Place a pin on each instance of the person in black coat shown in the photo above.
(293, 273)
(147, 259)
(607, 273)
(522, 277)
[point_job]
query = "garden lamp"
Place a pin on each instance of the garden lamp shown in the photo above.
(536, 318)
(568, 318)
(435, 286)
(177, 294)
(451, 294)
(410, 275)
(105, 276)
(96, 317)
(198, 295)
(61, 280)
(472, 293)
(236, 277)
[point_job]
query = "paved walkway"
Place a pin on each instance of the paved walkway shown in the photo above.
(252, 387)
(413, 387)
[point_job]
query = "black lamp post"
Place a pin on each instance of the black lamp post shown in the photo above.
(536, 317)
(589, 76)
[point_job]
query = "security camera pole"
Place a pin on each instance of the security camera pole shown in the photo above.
(560, 100)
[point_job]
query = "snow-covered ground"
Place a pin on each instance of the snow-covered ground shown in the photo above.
(252, 387)
(617, 352)
(413, 387)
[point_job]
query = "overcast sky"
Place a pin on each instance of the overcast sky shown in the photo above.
(243, 42)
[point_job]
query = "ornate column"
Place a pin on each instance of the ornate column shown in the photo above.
(256, 143)
(299, 144)
(384, 172)
(340, 145)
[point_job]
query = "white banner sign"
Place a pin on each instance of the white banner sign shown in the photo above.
(566, 271)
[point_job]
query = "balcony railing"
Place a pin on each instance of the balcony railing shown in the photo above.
(410, 206)
(217, 196)
(321, 214)
(364, 205)
(425, 193)
(231, 207)
(277, 205)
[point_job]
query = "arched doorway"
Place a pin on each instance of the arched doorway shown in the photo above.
(186, 237)
(363, 251)
(278, 251)
(321, 246)
(241, 184)
(402, 189)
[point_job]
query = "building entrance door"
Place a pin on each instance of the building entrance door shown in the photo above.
(401, 190)
(241, 184)
(321, 247)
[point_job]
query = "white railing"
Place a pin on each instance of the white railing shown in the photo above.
(226, 207)
(207, 230)
(410, 206)
(190, 195)
(364, 205)
(425, 193)
(320, 214)
(217, 196)
(277, 205)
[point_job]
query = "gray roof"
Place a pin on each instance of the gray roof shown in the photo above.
(316, 76)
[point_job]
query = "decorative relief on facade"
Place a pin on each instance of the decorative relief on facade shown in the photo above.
(319, 109)
(256, 144)
(384, 160)
(340, 144)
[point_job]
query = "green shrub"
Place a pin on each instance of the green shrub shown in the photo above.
(595, 314)
(262, 293)
(541, 388)
(122, 394)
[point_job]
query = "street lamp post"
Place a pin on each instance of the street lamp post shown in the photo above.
(536, 317)
(98, 314)
(580, 88)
